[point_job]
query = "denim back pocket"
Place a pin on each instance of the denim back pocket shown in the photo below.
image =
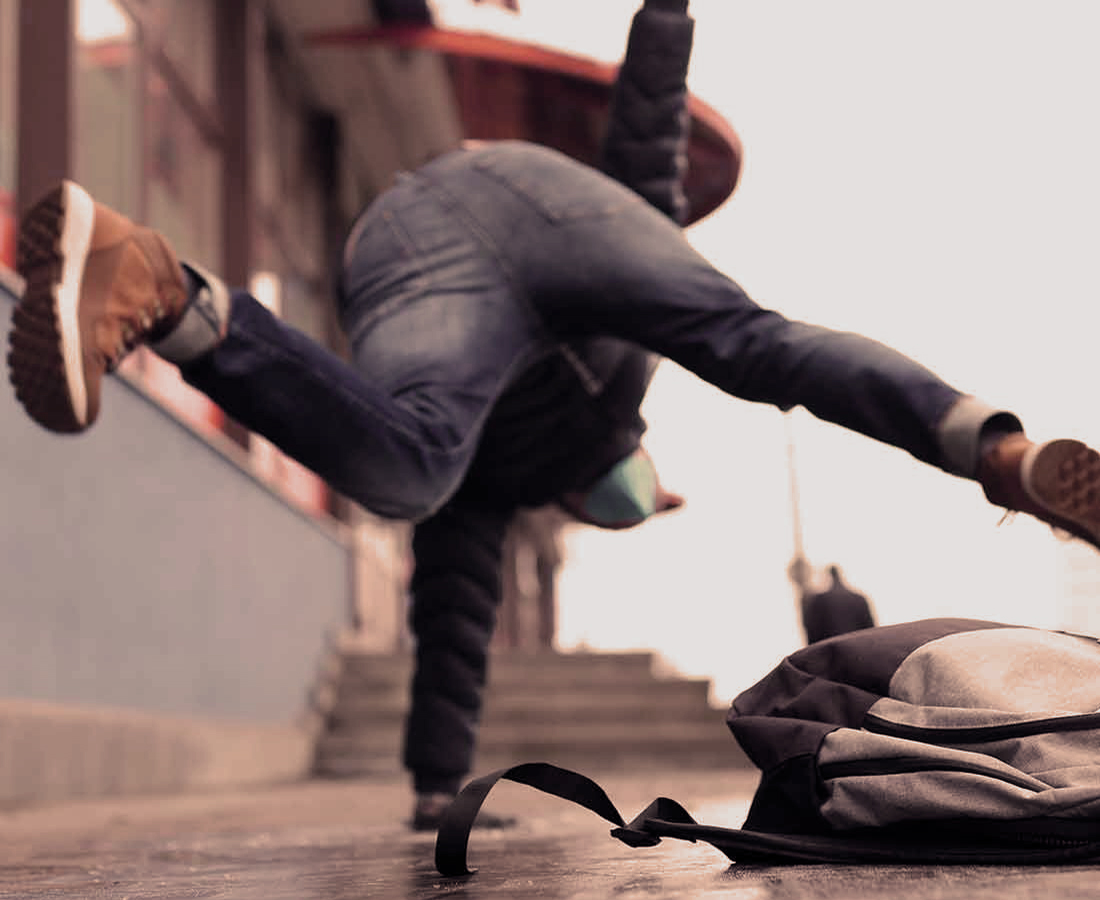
(558, 187)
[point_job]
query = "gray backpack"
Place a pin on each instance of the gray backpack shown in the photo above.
(942, 740)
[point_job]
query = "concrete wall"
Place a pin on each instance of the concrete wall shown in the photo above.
(144, 568)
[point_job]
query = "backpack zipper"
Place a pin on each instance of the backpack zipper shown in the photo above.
(903, 765)
(978, 734)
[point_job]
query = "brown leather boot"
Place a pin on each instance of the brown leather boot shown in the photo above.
(97, 285)
(1058, 482)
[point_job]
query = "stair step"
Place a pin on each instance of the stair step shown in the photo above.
(572, 733)
(685, 716)
(533, 701)
(351, 756)
(576, 709)
(379, 670)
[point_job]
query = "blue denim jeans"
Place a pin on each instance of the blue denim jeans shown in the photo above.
(469, 268)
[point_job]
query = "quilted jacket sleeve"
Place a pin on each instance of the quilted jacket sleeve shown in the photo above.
(645, 144)
(455, 590)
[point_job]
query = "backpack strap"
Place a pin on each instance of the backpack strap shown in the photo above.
(667, 818)
(454, 828)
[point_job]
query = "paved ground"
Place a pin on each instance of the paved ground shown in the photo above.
(346, 841)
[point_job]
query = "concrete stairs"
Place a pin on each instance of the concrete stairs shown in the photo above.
(594, 710)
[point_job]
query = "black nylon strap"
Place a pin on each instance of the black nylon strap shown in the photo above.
(667, 818)
(454, 828)
(744, 846)
(640, 833)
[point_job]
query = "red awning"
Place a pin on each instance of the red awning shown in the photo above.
(549, 97)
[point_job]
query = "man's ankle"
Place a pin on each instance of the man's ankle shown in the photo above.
(204, 321)
(1001, 441)
(1000, 468)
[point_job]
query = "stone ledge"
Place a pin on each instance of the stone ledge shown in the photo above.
(51, 752)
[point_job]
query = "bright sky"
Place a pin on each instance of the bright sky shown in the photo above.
(924, 173)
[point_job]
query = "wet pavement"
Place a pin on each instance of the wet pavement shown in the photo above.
(347, 840)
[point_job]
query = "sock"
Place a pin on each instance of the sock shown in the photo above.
(995, 430)
(204, 320)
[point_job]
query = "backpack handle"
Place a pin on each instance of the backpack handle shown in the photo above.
(454, 828)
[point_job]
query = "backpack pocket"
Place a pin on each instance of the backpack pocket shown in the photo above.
(1000, 773)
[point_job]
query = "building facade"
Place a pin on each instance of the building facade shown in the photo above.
(199, 118)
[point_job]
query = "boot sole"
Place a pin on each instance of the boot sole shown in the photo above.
(45, 359)
(1063, 477)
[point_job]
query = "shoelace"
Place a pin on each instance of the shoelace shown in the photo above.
(1060, 533)
(134, 330)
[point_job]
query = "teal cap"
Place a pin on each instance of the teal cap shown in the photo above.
(626, 495)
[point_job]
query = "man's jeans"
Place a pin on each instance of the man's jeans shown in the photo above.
(466, 270)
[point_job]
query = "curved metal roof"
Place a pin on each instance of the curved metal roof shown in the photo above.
(505, 88)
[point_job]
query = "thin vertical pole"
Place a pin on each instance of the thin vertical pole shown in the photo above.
(799, 569)
(792, 475)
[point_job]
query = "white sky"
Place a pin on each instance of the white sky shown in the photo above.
(924, 173)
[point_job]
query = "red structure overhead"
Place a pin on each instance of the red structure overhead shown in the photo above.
(507, 89)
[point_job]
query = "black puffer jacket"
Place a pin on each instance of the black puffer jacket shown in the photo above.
(560, 425)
